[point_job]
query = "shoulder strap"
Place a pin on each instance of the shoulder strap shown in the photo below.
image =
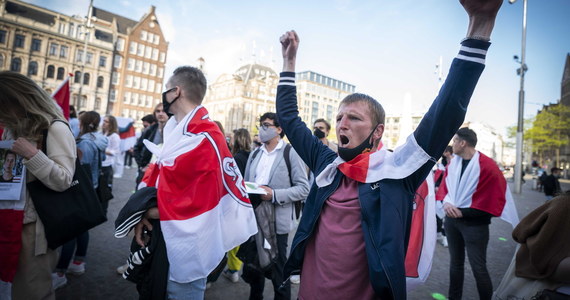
(286, 156)
(45, 134)
(255, 154)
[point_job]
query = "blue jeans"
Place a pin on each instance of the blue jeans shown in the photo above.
(474, 239)
(193, 290)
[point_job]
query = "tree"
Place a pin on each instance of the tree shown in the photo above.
(550, 130)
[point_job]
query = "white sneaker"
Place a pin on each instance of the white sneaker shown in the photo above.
(295, 279)
(232, 276)
(443, 241)
(57, 281)
(122, 269)
(76, 269)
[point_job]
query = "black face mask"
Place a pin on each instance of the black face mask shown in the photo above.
(319, 133)
(165, 104)
(350, 154)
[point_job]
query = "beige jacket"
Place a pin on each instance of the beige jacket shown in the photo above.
(55, 170)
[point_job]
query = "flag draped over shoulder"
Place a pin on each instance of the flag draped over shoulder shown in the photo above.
(61, 97)
(202, 199)
(421, 244)
(482, 186)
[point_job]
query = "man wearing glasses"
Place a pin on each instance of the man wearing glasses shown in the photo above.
(285, 183)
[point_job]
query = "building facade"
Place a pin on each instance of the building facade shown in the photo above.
(47, 46)
(238, 100)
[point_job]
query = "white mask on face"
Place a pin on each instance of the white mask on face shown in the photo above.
(266, 134)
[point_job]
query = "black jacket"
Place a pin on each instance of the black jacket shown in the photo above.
(142, 155)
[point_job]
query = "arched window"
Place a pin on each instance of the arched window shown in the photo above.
(50, 71)
(100, 81)
(16, 65)
(33, 68)
(77, 77)
(83, 102)
(97, 105)
(1, 61)
(86, 78)
(60, 73)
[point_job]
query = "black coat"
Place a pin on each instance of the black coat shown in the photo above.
(141, 153)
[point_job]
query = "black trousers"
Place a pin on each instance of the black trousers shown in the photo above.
(474, 239)
(258, 280)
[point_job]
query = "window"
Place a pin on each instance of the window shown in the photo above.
(148, 101)
(135, 99)
(3, 36)
(89, 57)
(147, 52)
(144, 83)
(156, 39)
(86, 78)
(19, 41)
(97, 104)
(160, 72)
(129, 81)
(120, 44)
(102, 61)
(115, 78)
(145, 67)
(162, 57)
(63, 50)
(33, 68)
(36, 44)
(152, 69)
(141, 100)
(136, 82)
(140, 50)
(144, 35)
(79, 56)
(127, 98)
(71, 31)
(131, 64)
(150, 85)
(133, 48)
(77, 78)
(16, 65)
(53, 49)
(1, 60)
(82, 101)
(138, 65)
(112, 95)
(100, 81)
(50, 71)
(155, 54)
(158, 87)
(62, 28)
(60, 73)
(125, 112)
(118, 61)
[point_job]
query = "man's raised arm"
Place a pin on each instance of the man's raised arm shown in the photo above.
(482, 15)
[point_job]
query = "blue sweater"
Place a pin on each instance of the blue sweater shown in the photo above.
(386, 205)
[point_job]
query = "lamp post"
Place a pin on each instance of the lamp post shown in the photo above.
(87, 26)
(520, 125)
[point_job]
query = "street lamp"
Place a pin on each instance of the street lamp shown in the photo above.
(520, 126)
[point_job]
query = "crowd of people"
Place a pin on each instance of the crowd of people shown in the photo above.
(348, 203)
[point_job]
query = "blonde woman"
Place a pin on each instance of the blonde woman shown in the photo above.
(27, 111)
(111, 131)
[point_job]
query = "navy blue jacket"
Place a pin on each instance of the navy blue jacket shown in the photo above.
(386, 205)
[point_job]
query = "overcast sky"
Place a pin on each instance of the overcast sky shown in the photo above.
(386, 48)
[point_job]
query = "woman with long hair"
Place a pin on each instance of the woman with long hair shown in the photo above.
(27, 114)
(111, 131)
(241, 148)
(91, 150)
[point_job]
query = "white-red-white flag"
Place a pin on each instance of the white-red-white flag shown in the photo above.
(61, 96)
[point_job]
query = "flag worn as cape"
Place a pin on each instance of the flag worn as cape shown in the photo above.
(61, 96)
(423, 232)
(202, 199)
(482, 186)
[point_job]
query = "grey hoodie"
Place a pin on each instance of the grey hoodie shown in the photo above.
(93, 144)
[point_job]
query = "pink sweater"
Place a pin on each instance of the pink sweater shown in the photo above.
(337, 268)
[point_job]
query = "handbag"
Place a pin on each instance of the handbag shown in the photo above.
(67, 214)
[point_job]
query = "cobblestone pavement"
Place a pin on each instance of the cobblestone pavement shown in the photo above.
(106, 253)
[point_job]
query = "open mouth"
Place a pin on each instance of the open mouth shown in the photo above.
(343, 140)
